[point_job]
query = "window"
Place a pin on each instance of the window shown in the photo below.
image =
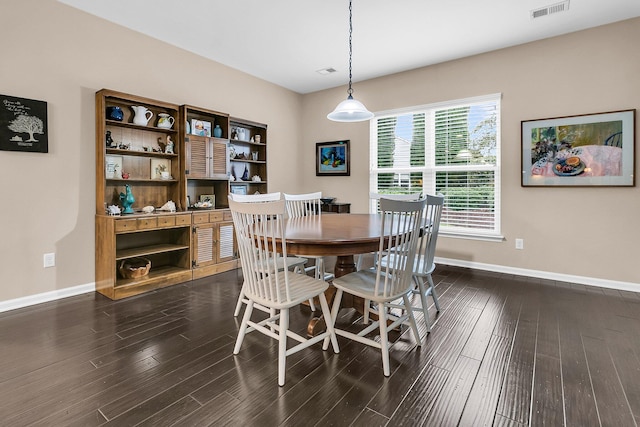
(450, 148)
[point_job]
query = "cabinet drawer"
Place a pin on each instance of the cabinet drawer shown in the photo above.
(147, 223)
(166, 221)
(200, 218)
(227, 216)
(215, 216)
(183, 219)
(125, 225)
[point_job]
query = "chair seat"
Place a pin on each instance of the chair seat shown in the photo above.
(362, 283)
(301, 288)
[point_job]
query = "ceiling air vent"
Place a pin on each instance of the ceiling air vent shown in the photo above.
(326, 71)
(548, 10)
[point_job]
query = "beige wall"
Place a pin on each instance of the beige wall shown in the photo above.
(589, 232)
(63, 56)
(55, 53)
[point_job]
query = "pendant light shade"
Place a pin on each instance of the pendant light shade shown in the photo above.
(350, 110)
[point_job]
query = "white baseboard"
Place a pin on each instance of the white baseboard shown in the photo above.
(46, 297)
(589, 281)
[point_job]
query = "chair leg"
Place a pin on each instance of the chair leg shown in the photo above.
(384, 339)
(366, 310)
(282, 347)
(243, 327)
(433, 293)
(327, 314)
(239, 303)
(337, 299)
(423, 301)
(412, 319)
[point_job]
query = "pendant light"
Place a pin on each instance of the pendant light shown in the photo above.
(350, 110)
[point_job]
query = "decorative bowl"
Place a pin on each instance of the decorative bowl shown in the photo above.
(134, 268)
(327, 200)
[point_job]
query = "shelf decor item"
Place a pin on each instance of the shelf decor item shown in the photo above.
(158, 166)
(127, 199)
(578, 151)
(200, 127)
(165, 121)
(217, 131)
(134, 268)
(115, 113)
(142, 115)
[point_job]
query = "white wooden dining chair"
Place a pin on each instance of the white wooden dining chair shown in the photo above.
(295, 263)
(261, 238)
(374, 199)
(424, 265)
(302, 205)
(385, 284)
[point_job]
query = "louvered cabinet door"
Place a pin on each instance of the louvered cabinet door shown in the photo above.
(219, 166)
(198, 157)
(205, 245)
(226, 242)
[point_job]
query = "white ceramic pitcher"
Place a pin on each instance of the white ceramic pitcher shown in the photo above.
(142, 115)
(165, 121)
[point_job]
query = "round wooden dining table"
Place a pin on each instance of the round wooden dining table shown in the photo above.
(340, 235)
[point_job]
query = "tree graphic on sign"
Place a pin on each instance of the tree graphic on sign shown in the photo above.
(27, 124)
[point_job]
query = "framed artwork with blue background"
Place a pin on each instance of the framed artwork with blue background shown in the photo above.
(333, 158)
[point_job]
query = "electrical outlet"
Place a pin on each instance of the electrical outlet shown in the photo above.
(49, 260)
(519, 243)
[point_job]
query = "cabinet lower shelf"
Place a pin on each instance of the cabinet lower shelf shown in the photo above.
(157, 278)
(148, 250)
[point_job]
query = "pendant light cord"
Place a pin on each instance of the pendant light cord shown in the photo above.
(350, 91)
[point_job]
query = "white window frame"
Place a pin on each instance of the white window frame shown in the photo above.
(429, 169)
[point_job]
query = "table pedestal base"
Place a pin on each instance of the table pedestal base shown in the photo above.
(344, 265)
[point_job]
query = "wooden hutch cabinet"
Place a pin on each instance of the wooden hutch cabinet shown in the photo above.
(194, 241)
(129, 155)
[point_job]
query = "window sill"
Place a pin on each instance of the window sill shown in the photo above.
(469, 236)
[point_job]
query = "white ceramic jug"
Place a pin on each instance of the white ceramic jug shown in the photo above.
(142, 115)
(165, 121)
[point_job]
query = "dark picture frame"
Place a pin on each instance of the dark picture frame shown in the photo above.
(579, 151)
(23, 125)
(333, 158)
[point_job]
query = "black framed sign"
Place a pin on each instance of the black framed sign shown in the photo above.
(23, 125)
(333, 158)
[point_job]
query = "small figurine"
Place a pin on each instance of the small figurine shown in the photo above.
(110, 143)
(169, 147)
(127, 199)
(125, 175)
(124, 146)
(161, 145)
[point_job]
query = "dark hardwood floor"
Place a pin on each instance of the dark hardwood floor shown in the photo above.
(505, 351)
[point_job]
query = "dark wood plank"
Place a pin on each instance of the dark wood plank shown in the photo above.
(611, 400)
(450, 403)
(480, 408)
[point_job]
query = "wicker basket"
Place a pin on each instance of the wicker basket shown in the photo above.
(134, 268)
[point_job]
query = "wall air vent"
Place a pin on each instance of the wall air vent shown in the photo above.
(548, 10)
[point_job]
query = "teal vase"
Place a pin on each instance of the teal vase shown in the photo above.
(217, 131)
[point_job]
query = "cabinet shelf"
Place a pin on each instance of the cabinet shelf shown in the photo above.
(241, 141)
(157, 273)
(148, 250)
(145, 180)
(139, 127)
(261, 162)
(121, 152)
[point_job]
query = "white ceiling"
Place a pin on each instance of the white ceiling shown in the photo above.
(287, 41)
